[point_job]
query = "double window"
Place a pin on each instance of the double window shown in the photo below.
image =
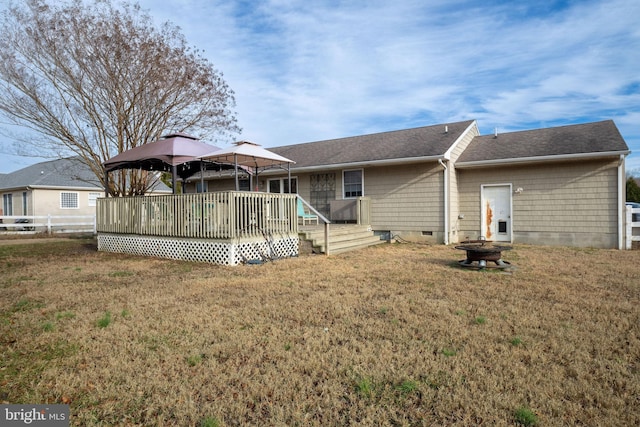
(281, 185)
(352, 183)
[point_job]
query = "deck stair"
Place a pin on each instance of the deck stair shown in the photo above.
(342, 238)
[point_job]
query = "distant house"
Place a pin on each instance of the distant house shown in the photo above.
(57, 187)
(447, 183)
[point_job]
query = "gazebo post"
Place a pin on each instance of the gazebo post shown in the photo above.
(235, 164)
(106, 182)
(201, 176)
(174, 171)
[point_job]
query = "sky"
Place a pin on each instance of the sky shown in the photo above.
(306, 70)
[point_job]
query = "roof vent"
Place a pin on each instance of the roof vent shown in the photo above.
(179, 135)
(495, 132)
(446, 129)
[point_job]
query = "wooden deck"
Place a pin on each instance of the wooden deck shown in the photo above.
(225, 227)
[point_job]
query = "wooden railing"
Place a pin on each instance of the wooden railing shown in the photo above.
(223, 215)
(364, 211)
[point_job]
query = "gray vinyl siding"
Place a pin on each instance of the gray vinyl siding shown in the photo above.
(570, 204)
(406, 198)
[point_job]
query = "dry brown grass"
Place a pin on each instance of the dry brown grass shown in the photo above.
(393, 335)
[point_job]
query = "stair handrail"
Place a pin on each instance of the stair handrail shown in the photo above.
(325, 221)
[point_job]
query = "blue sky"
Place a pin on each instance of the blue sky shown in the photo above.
(311, 70)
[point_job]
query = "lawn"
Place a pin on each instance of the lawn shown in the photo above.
(394, 335)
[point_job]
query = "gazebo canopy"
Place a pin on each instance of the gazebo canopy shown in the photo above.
(170, 150)
(249, 156)
(176, 153)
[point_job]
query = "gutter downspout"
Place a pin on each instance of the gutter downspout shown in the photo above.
(622, 198)
(446, 202)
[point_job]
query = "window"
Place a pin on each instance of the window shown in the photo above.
(281, 185)
(7, 204)
(244, 184)
(68, 200)
(200, 188)
(93, 197)
(25, 205)
(352, 183)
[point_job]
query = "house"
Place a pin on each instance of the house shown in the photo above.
(61, 187)
(57, 187)
(448, 183)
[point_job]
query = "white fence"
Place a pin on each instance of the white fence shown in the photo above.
(26, 224)
(633, 226)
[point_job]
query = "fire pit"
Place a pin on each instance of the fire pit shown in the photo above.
(481, 251)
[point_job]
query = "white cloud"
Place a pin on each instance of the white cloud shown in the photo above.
(305, 71)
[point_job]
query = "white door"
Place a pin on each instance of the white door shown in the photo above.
(496, 212)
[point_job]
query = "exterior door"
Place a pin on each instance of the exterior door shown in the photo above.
(496, 212)
(323, 190)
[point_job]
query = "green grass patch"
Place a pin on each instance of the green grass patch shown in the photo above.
(525, 416)
(26, 304)
(364, 387)
(449, 352)
(65, 315)
(210, 422)
(194, 360)
(407, 387)
(104, 321)
(480, 320)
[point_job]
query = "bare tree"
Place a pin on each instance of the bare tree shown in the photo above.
(96, 79)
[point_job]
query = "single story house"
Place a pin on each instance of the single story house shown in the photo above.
(447, 183)
(61, 187)
(57, 187)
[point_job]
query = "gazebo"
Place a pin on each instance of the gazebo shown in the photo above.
(176, 153)
(227, 227)
(249, 156)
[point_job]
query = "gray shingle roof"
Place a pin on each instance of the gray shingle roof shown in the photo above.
(68, 172)
(428, 141)
(589, 138)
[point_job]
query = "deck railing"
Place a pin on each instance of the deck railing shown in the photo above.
(220, 215)
(364, 211)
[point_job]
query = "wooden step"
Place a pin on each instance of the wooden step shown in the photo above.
(342, 238)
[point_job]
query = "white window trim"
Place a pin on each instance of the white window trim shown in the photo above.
(77, 200)
(7, 202)
(93, 198)
(361, 183)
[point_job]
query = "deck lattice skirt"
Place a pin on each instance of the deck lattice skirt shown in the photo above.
(212, 251)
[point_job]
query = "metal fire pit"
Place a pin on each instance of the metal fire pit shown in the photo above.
(481, 251)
